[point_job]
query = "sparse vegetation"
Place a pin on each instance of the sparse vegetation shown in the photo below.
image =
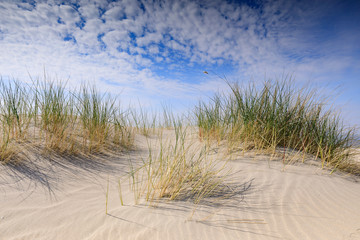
(176, 171)
(144, 121)
(276, 115)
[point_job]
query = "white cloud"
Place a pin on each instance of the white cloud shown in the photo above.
(129, 43)
(68, 14)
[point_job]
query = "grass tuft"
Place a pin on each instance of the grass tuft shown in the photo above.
(277, 115)
(61, 120)
(175, 172)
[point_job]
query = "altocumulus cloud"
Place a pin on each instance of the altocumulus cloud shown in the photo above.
(157, 50)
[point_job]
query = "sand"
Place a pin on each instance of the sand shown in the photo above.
(64, 198)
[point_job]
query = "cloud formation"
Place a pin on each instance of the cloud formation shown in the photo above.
(157, 50)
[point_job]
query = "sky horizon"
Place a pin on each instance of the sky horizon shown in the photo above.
(156, 52)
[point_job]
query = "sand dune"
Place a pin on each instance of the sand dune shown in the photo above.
(65, 199)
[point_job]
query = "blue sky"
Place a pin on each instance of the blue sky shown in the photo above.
(155, 52)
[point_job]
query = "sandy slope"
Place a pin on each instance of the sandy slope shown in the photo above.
(65, 199)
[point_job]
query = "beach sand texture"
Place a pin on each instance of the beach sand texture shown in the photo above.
(64, 198)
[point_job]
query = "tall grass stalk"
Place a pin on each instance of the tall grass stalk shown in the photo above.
(107, 197)
(120, 193)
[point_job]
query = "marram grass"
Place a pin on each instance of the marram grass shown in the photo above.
(52, 117)
(278, 115)
(177, 172)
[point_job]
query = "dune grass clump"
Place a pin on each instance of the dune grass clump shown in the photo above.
(16, 112)
(84, 121)
(56, 116)
(212, 119)
(175, 172)
(96, 114)
(277, 115)
(16, 109)
(48, 115)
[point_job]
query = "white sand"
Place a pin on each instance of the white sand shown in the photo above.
(65, 199)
